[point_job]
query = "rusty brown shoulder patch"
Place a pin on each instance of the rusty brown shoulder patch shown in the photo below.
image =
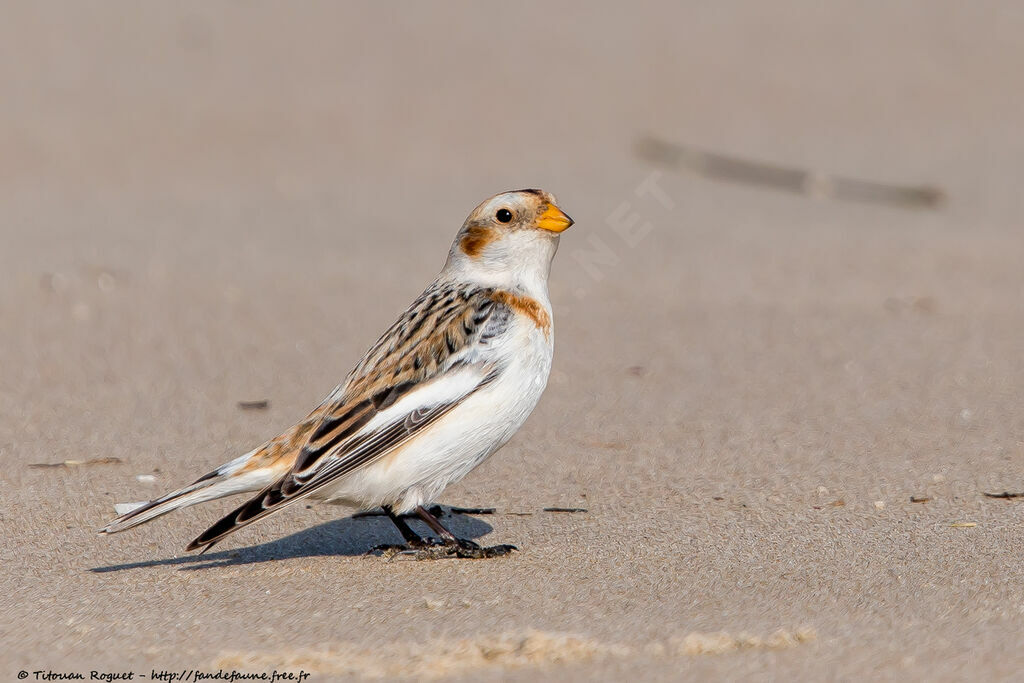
(476, 238)
(524, 305)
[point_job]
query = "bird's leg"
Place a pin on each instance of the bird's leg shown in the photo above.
(413, 541)
(411, 537)
(453, 546)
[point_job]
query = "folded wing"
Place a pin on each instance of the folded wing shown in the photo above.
(424, 366)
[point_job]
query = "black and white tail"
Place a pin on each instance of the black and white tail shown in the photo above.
(226, 480)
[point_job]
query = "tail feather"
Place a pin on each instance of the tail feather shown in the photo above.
(222, 482)
(196, 492)
(268, 501)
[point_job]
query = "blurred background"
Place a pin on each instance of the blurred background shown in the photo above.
(206, 202)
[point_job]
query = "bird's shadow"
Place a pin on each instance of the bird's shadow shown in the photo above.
(350, 536)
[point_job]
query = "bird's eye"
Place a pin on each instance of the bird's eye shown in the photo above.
(503, 216)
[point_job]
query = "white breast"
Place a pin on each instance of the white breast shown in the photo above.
(417, 472)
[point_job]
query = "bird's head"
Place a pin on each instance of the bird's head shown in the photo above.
(510, 238)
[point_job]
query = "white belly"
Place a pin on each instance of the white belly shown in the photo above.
(417, 472)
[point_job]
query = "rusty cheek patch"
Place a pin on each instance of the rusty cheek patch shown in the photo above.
(524, 305)
(476, 238)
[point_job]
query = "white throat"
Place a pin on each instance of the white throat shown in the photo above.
(518, 262)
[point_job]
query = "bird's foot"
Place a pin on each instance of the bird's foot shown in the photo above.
(439, 511)
(464, 550)
(389, 550)
(433, 549)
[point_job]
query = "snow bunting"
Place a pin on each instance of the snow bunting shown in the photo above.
(442, 389)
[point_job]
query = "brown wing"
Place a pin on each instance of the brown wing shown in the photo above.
(440, 336)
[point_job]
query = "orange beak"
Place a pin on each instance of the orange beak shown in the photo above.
(553, 219)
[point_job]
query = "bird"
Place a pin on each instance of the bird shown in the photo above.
(441, 390)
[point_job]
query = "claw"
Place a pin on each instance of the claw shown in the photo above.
(464, 550)
(389, 550)
(490, 551)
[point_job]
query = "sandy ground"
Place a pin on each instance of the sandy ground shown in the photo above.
(202, 204)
